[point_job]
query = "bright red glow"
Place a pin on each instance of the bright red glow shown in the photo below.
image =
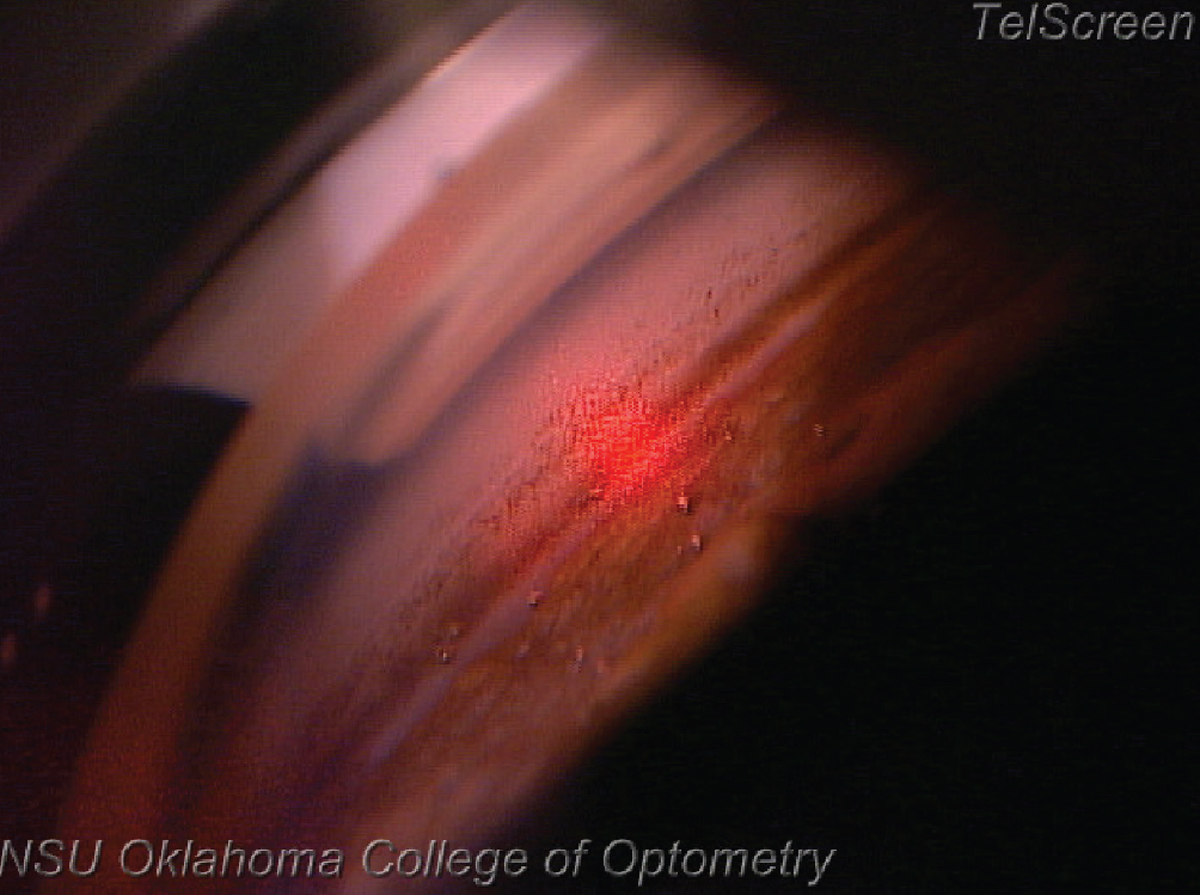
(627, 445)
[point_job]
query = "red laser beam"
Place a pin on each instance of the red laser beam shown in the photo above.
(627, 444)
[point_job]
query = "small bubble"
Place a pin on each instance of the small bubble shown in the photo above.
(43, 598)
(535, 598)
(819, 430)
(695, 543)
(683, 503)
(578, 656)
(444, 170)
(443, 655)
(8, 651)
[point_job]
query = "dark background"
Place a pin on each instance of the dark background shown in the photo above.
(980, 680)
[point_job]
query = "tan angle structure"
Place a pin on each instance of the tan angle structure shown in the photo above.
(577, 404)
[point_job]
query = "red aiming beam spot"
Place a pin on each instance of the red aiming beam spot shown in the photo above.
(627, 445)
